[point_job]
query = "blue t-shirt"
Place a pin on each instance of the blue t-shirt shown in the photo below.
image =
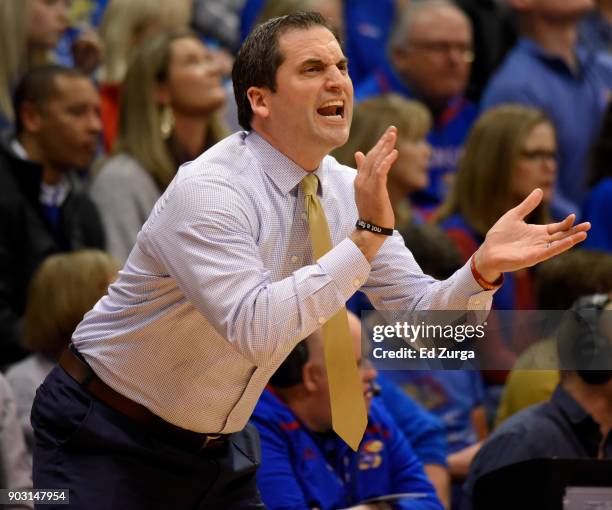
(301, 469)
(446, 137)
(575, 100)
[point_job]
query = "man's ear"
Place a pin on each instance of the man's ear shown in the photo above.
(311, 376)
(31, 117)
(259, 98)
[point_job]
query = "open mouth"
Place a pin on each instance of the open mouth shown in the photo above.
(332, 109)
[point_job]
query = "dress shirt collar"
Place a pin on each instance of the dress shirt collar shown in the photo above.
(285, 173)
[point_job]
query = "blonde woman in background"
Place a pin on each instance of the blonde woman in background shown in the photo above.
(510, 151)
(64, 288)
(170, 105)
(409, 173)
(28, 30)
(125, 26)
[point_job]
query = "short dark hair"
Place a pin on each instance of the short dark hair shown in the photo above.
(259, 57)
(289, 373)
(38, 86)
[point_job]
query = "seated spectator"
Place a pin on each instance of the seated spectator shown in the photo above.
(43, 205)
(172, 95)
(28, 30)
(546, 70)
(409, 173)
(430, 51)
(597, 207)
(125, 25)
(510, 151)
(576, 422)
(64, 288)
(15, 467)
(306, 465)
(559, 282)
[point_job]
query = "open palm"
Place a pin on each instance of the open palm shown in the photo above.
(512, 244)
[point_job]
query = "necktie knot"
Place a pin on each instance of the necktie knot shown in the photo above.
(310, 183)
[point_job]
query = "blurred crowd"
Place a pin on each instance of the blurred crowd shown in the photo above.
(102, 101)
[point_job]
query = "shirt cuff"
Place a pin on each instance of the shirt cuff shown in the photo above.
(347, 266)
(476, 297)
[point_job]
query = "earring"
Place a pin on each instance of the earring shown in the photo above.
(167, 122)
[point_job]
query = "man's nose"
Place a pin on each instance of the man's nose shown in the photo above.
(94, 123)
(335, 78)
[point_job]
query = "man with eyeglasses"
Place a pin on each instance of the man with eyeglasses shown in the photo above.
(430, 55)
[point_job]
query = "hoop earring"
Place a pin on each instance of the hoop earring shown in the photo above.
(166, 125)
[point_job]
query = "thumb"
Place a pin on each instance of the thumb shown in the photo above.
(359, 159)
(529, 204)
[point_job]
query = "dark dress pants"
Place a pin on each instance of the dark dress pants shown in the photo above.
(109, 462)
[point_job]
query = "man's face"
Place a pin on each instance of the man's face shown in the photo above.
(436, 59)
(310, 113)
(68, 126)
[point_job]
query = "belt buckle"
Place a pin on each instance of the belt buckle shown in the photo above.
(209, 438)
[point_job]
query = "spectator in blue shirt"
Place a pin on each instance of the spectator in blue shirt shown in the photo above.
(305, 465)
(430, 52)
(571, 86)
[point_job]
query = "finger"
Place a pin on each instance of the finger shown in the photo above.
(561, 226)
(582, 227)
(383, 147)
(563, 245)
(529, 204)
(359, 159)
(387, 163)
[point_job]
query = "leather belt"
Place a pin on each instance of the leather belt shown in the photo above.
(77, 368)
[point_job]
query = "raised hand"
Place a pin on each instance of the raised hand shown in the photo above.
(371, 194)
(511, 244)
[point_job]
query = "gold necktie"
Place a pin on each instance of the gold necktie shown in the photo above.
(349, 415)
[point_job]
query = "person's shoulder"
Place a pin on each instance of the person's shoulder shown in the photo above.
(603, 61)
(120, 166)
(338, 171)
(228, 160)
(516, 74)
(524, 435)
(270, 408)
